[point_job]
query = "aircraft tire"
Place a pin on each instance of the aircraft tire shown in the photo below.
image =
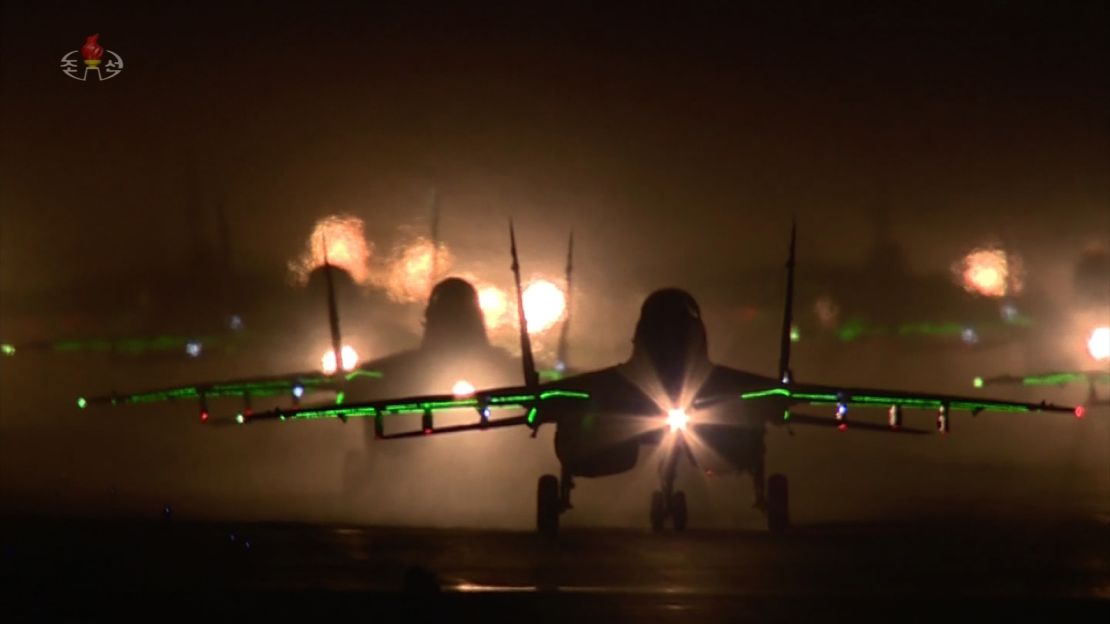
(658, 511)
(778, 503)
(678, 510)
(547, 505)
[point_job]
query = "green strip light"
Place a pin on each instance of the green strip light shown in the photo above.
(865, 399)
(268, 388)
(512, 399)
(331, 412)
(550, 375)
(419, 408)
(570, 394)
(532, 416)
(81, 402)
(340, 397)
(1055, 379)
(363, 373)
(765, 393)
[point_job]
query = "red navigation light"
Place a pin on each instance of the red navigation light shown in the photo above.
(427, 430)
(1080, 411)
(203, 415)
(842, 426)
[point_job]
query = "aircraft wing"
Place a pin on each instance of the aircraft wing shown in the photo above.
(895, 401)
(1060, 378)
(294, 385)
(490, 407)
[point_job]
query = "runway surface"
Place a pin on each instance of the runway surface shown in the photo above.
(85, 568)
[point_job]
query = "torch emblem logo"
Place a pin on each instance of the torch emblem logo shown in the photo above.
(92, 54)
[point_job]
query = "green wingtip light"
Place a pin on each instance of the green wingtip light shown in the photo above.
(81, 402)
(7, 349)
(795, 333)
(978, 382)
(239, 419)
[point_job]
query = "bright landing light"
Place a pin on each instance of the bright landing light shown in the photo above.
(677, 419)
(347, 355)
(1099, 344)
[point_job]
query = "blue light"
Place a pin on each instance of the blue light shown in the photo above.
(298, 390)
(193, 348)
(969, 335)
(561, 366)
(841, 410)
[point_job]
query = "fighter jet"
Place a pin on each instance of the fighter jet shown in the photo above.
(668, 393)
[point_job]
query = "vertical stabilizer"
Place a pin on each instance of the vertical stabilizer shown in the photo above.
(434, 201)
(531, 378)
(785, 375)
(333, 312)
(561, 362)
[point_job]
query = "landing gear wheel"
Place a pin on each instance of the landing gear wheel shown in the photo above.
(778, 503)
(547, 505)
(658, 511)
(678, 510)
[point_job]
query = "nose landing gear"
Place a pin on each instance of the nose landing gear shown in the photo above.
(666, 502)
(547, 505)
(663, 506)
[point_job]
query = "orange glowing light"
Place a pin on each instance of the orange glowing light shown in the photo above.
(347, 249)
(413, 270)
(544, 305)
(1098, 345)
(462, 388)
(989, 272)
(494, 303)
(347, 355)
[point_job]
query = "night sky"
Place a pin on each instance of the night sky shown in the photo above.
(678, 143)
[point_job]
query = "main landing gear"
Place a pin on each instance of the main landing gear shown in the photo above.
(778, 503)
(553, 498)
(551, 501)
